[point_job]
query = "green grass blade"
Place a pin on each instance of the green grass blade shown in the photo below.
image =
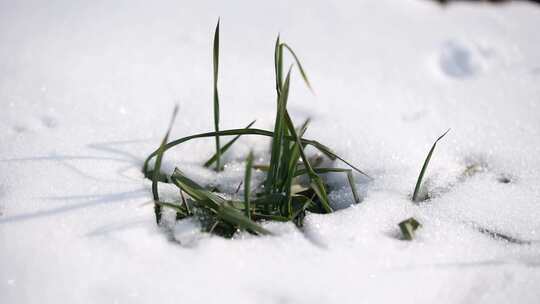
(322, 171)
(251, 131)
(278, 142)
(301, 204)
(157, 167)
(216, 95)
(302, 71)
(261, 167)
(216, 204)
(293, 164)
(226, 147)
(352, 184)
(247, 185)
(162, 177)
(184, 201)
(197, 192)
(236, 217)
(295, 153)
(424, 168)
(178, 208)
(278, 66)
(270, 217)
(315, 180)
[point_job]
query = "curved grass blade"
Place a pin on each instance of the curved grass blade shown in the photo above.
(157, 167)
(216, 95)
(247, 185)
(162, 177)
(226, 147)
(302, 71)
(251, 131)
(424, 168)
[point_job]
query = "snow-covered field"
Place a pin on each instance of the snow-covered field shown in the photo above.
(87, 87)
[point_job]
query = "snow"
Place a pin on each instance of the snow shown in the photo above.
(86, 90)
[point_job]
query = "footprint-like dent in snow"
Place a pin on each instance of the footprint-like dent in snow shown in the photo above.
(19, 128)
(457, 60)
(504, 178)
(34, 124)
(49, 122)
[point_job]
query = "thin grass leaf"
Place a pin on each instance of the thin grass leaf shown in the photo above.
(315, 180)
(215, 203)
(225, 147)
(180, 211)
(268, 202)
(278, 66)
(408, 227)
(294, 157)
(216, 95)
(352, 184)
(295, 151)
(322, 171)
(424, 168)
(247, 185)
(300, 204)
(197, 192)
(162, 177)
(261, 167)
(184, 202)
(251, 131)
(157, 167)
(239, 186)
(270, 217)
(329, 152)
(214, 226)
(232, 215)
(278, 143)
(302, 71)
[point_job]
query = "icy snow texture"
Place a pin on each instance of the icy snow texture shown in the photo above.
(86, 88)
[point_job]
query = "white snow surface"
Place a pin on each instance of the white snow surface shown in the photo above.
(87, 88)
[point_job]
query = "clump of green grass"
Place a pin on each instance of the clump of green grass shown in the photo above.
(281, 197)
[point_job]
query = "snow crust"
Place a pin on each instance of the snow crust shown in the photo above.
(86, 89)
